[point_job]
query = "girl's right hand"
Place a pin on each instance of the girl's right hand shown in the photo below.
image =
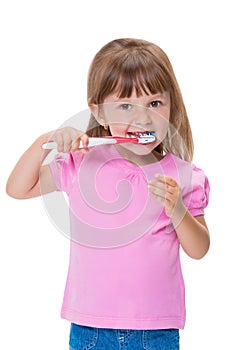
(68, 140)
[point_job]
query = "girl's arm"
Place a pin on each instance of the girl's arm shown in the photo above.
(193, 234)
(28, 178)
(24, 181)
(192, 231)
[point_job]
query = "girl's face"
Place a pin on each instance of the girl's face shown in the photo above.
(130, 116)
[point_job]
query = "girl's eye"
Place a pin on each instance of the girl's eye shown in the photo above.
(155, 104)
(125, 106)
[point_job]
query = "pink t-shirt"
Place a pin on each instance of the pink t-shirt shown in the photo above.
(124, 269)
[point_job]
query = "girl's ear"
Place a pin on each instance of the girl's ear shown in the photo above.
(95, 110)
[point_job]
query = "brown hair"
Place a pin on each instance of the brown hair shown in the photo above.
(124, 65)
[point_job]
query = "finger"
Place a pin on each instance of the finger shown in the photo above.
(166, 179)
(75, 145)
(169, 182)
(164, 194)
(162, 199)
(60, 143)
(81, 144)
(163, 186)
(85, 140)
(67, 143)
(156, 190)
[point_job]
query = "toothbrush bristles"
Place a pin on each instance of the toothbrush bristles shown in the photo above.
(147, 137)
(148, 133)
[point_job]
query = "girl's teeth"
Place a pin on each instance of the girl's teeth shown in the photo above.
(137, 133)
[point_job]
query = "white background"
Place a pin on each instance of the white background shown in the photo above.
(46, 49)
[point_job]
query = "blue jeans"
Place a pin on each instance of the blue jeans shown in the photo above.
(86, 338)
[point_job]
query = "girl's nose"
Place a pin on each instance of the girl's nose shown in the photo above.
(142, 116)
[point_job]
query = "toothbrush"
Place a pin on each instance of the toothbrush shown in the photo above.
(143, 138)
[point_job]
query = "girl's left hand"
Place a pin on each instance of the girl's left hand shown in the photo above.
(167, 191)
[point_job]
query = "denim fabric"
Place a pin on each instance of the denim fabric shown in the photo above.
(86, 338)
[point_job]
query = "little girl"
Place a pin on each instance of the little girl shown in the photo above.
(131, 205)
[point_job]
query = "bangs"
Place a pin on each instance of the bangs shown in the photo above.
(140, 82)
(134, 73)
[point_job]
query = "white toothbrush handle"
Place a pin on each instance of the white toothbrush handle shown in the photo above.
(93, 141)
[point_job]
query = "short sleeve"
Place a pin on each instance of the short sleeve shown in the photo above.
(64, 169)
(197, 198)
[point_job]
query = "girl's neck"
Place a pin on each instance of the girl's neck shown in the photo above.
(136, 159)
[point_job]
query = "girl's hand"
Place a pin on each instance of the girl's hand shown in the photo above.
(167, 191)
(68, 140)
